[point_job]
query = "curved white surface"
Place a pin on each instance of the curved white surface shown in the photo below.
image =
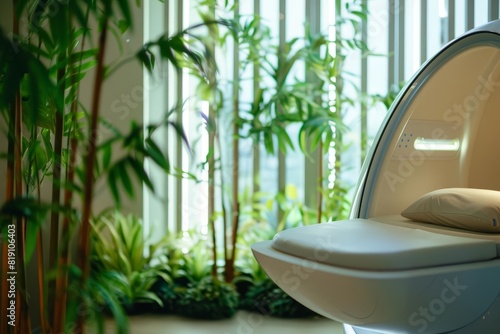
(386, 301)
(371, 245)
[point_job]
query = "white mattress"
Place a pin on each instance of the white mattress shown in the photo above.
(386, 243)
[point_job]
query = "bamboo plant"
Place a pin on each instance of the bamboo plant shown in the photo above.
(48, 127)
(279, 101)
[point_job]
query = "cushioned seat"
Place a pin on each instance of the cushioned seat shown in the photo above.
(371, 245)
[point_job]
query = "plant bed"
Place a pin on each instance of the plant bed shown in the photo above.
(268, 299)
(207, 299)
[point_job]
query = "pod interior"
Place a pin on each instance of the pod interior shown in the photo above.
(442, 131)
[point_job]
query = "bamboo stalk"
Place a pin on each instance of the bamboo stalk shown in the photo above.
(236, 203)
(211, 191)
(41, 284)
(44, 325)
(39, 252)
(23, 315)
(235, 210)
(64, 259)
(56, 191)
(84, 246)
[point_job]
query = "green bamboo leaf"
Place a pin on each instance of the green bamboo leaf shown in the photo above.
(80, 15)
(125, 178)
(268, 142)
(134, 136)
(154, 152)
(40, 156)
(36, 50)
(113, 186)
(126, 13)
(80, 56)
(82, 66)
(106, 156)
(180, 132)
(141, 174)
(73, 79)
(47, 142)
(59, 24)
(302, 138)
(31, 239)
(123, 26)
(28, 208)
(147, 58)
(284, 139)
(166, 53)
(11, 81)
(362, 15)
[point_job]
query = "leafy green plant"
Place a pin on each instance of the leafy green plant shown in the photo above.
(189, 257)
(267, 298)
(210, 298)
(281, 99)
(196, 292)
(53, 143)
(120, 248)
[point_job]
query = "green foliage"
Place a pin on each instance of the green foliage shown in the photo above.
(268, 299)
(168, 295)
(137, 146)
(45, 65)
(195, 292)
(337, 204)
(207, 299)
(29, 209)
(189, 257)
(247, 266)
(288, 100)
(101, 295)
(119, 251)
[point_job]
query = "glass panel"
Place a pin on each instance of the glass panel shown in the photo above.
(460, 22)
(378, 81)
(194, 196)
(434, 30)
(412, 37)
(295, 27)
(480, 12)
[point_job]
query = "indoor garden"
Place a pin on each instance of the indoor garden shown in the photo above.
(79, 260)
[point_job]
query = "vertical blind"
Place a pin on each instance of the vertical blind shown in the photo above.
(400, 34)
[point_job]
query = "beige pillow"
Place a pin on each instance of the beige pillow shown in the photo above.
(470, 209)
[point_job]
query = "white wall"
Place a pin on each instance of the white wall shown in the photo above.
(121, 103)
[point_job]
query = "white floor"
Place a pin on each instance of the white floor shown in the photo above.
(241, 323)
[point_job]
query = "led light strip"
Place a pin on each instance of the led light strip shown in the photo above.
(427, 144)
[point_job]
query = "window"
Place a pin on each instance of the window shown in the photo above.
(400, 34)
